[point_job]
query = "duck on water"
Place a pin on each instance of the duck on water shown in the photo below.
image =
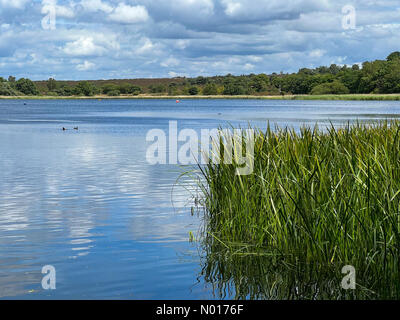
(64, 129)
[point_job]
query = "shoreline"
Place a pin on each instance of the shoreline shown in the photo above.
(347, 97)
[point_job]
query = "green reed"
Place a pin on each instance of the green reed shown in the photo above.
(317, 198)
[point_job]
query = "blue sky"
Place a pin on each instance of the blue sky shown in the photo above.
(105, 39)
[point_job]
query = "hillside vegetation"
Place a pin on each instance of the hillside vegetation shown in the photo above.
(375, 77)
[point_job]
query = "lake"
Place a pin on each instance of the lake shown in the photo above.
(88, 203)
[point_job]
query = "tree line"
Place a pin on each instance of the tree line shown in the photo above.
(379, 76)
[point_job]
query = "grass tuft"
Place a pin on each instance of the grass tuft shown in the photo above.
(317, 198)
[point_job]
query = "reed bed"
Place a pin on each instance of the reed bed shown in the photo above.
(321, 198)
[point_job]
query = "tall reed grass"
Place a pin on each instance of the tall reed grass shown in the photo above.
(322, 198)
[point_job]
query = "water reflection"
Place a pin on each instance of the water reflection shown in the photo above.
(265, 276)
(68, 197)
(88, 203)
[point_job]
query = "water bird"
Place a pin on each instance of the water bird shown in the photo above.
(76, 128)
(64, 129)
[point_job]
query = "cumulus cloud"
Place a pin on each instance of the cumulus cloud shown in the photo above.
(96, 5)
(17, 4)
(253, 10)
(146, 47)
(317, 53)
(149, 38)
(85, 66)
(64, 12)
(128, 14)
(170, 62)
(84, 46)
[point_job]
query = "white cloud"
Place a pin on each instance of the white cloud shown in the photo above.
(17, 4)
(63, 11)
(96, 5)
(85, 66)
(128, 14)
(191, 36)
(262, 9)
(317, 53)
(146, 47)
(248, 66)
(170, 62)
(232, 7)
(181, 44)
(200, 7)
(84, 46)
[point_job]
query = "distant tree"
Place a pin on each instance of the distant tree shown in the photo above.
(65, 90)
(393, 56)
(11, 79)
(85, 88)
(127, 88)
(351, 78)
(193, 91)
(114, 93)
(51, 84)
(157, 88)
(335, 87)
(306, 71)
(199, 81)
(26, 86)
(334, 69)
(173, 89)
(322, 70)
(7, 90)
(260, 82)
(109, 87)
(210, 89)
(136, 90)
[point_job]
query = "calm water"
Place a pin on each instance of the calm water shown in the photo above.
(88, 203)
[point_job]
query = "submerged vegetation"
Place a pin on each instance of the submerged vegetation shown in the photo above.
(375, 77)
(316, 202)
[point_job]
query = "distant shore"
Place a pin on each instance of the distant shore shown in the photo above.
(345, 97)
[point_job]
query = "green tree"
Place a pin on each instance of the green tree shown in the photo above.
(393, 56)
(157, 88)
(193, 91)
(51, 84)
(109, 87)
(85, 88)
(334, 69)
(173, 89)
(65, 90)
(210, 89)
(335, 87)
(127, 88)
(7, 90)
(114, 93)
(26, 86)
(136, 90)
(260, 82)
